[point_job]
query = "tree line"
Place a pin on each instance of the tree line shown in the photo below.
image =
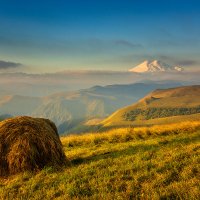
(152, 113)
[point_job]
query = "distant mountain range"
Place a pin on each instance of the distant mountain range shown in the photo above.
(155, 66)
(71, 109)
(160, 104)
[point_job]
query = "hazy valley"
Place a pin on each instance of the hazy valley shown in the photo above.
(72, 109)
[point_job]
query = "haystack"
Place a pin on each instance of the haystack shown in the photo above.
(29, 144)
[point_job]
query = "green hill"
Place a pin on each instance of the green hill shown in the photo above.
(161, 105)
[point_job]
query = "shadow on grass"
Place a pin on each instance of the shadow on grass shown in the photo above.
(115, 154)
(131, 150)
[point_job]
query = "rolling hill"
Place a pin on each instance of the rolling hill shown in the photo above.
(73, 109)
(160, 106)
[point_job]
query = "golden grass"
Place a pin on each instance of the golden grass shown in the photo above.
(156, 163)
(126, 134)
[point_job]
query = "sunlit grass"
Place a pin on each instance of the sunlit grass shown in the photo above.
(160, 162)
(127, 134)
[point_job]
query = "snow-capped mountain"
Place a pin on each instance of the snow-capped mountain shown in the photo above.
(155, 66)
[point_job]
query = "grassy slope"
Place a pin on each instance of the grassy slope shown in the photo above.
(160, 162)
(188, 96)
(119, 122)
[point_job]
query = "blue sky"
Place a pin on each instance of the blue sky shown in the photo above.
(50, 36)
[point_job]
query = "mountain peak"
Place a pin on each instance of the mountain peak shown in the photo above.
(155, 66)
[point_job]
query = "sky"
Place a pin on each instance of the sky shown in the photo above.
(43, 36)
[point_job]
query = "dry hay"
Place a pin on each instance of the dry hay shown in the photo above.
(29, 144)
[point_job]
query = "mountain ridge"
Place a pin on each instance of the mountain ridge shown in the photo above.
(70, 109)
(155, 66)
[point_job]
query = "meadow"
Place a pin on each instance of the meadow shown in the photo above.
(158, 162)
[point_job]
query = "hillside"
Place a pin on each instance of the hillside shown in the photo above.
(161, 162)
(71, 110)
(161, 104)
